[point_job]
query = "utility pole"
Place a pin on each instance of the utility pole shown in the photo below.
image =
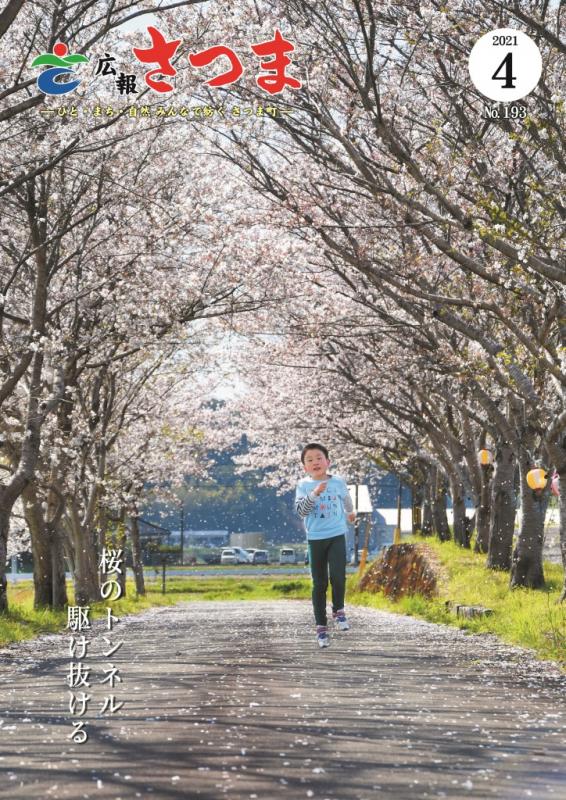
(397, 531)
(362, 505)
(182, 533)
(356, 529)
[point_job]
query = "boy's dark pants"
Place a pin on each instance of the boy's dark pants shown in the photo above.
(327, 556)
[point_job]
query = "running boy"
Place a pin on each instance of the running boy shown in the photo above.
(323, 501)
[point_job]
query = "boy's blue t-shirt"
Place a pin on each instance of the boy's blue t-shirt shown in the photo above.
(328, 517)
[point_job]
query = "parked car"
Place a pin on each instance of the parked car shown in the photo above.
(260, 557)
(243, 555)
(228, 556)
(211, 558)
(234, 555)
(287, 555)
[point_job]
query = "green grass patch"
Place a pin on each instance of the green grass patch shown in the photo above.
(526, 617)
(24, 622)
(292, 587)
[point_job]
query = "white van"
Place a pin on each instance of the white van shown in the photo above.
(287, 555)
(234, 555)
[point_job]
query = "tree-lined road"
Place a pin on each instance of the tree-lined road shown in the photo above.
(235, 700)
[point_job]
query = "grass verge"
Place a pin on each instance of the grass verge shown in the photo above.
(525, 617)
(24, 622)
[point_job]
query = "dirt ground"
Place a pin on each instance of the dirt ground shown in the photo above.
(236, 700)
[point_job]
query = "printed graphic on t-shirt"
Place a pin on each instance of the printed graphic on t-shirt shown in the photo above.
(327, 506)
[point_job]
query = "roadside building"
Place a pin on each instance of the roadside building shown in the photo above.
(251, 539)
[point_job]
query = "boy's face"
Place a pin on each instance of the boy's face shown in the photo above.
(316, 463)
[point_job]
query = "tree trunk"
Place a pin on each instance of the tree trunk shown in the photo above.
(459, 527)
(526, 564)
(86, 583)
(427, 521)
(503, 509)
(417, 494)
(563, 529)
(483, 511)
(55, 508)
(87, 588)
(103, 528)
(59, 598)
(4, 529)
(8, 496)
(439, 516)
(137, 562)
(24, 470)
(469, 526)
(122, 541)
(40, 548)
(557, 456)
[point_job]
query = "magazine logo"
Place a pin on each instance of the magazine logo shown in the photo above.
(272, 55)
(60, 62)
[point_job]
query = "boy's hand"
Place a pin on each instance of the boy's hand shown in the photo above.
(352, 516)
(320, 488)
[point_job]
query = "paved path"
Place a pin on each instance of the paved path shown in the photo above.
(235, 700)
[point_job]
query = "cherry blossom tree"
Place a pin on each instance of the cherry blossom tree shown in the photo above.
(400, 277)
(111, 252)
(388, 159)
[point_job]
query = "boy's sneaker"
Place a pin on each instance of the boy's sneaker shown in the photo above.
(322, 636)
(341, 621)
